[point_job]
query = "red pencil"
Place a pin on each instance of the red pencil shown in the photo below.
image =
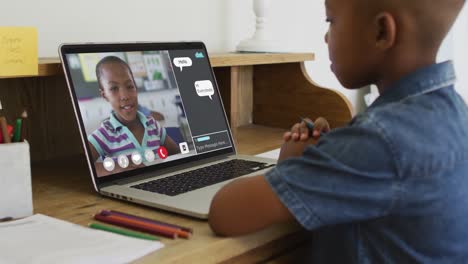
(178, 231)
(186, 229)
(4, 127)
(113, 221)
(138, 223)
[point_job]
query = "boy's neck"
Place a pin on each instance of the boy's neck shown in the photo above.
(129, 124)
(133, 124)
(401, 66)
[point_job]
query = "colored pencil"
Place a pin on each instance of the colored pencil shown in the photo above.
(122, 231)
(186, 229)
(24, 116)
(117, 222)
(17, 131)
(310, 125)
(4, 127)
(138, 223)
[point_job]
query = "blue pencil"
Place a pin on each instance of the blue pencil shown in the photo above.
(310, 126)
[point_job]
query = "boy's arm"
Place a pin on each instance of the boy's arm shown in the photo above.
(249, 204)
(244, 206)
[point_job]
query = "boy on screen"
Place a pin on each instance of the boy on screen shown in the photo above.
(128, 136)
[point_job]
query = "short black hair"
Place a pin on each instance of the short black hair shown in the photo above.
(110, 59)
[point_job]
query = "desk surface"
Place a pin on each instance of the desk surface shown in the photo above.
(63, 189)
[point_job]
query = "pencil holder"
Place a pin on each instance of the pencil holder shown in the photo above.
(15, 180)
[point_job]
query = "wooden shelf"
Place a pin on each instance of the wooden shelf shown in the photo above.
(53, 67)
(242, 59)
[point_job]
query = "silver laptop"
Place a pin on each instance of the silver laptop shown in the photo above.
(153, 125)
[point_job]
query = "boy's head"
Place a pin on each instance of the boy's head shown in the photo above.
(117, 86)
(379, 41)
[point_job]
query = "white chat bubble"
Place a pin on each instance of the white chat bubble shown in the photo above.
(204, 88)
(182, 62)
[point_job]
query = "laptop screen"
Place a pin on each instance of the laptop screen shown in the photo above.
(145, 106)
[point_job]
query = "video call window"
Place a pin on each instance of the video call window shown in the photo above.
(131, 109)
(147, 107)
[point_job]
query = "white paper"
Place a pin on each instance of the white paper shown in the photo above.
(43, 239)
(273, 154)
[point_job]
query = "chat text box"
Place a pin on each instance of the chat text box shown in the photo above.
(182, 62)
(204, 88)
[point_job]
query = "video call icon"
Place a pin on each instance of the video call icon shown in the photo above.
(123, 161)
(162, 152)
(184, 148)
(136, 158)
(149, 155)
(108, 164)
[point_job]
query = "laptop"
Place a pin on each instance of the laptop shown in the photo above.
(153, 125)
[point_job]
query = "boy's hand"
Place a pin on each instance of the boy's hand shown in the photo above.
(291, 149)
(301, 132)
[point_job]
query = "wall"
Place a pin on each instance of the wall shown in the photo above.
(454, 48)
(300, 26)
(220, 24)
(105, 20)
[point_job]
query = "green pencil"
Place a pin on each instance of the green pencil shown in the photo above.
(122, 231)
(17, 133)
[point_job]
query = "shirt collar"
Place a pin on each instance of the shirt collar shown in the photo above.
(422, 81)
(117, 125)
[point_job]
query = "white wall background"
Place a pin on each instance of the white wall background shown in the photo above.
(221, 24)
(105, 20)
(455, 48)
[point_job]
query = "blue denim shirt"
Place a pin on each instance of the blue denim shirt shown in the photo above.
(392, 186)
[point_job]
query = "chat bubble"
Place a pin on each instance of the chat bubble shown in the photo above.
(204, 88)
(182, 62)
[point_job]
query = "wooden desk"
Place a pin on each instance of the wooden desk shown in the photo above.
(63, 189)
(263, 95)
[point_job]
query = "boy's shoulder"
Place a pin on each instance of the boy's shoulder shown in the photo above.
(422, 114)
(417, 127)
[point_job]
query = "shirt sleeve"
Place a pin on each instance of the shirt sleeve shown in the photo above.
(348, 176)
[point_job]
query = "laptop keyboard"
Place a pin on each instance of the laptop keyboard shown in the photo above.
(199, 178)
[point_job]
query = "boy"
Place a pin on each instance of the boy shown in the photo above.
(126, 130)
(392, 186)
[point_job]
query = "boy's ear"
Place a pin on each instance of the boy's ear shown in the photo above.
(101, 91)
(385, 30)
